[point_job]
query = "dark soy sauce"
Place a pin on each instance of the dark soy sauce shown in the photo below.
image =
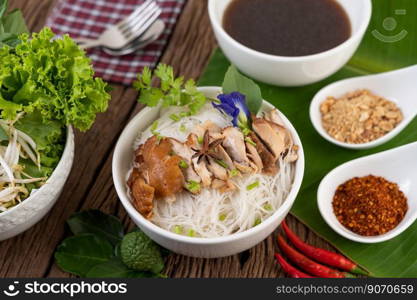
(287, 27)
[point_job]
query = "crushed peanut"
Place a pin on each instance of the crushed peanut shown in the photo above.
(359, 117)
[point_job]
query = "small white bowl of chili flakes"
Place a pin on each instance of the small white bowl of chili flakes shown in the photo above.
(371, 199)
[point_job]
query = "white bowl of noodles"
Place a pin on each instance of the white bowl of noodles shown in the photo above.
(213, 242)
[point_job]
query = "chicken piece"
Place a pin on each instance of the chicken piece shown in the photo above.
(221, 154)
(234, 144)
(143, 195)
(202, 171)
(223, 186)
(199, 167)
(186, 153)
(139, 155)
(214, 130)
(278, 125)
(163, 169)
(133, 176)
(253, 155)
(274, 117)
(272, 139)
(283, 133)
(216, 169)
(268, 160)
(292, 155)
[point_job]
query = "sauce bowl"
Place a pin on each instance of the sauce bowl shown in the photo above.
(196, 246)
(291, 71)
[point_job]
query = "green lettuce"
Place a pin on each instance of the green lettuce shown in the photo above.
(53, 77)
(48, 136)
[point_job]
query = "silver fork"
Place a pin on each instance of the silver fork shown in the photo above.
(121, 34)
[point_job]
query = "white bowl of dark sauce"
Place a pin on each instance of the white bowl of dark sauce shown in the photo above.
(287, 42)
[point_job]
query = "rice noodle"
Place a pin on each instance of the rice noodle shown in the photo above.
(211, 213)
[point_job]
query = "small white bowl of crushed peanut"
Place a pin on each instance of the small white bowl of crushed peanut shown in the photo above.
(367, 111)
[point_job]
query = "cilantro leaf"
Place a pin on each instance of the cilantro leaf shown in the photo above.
(170, 92)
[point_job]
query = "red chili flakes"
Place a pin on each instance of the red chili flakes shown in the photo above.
(369, 205)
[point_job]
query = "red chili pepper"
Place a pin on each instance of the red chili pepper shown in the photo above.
(321, 255)
(289, 269)
(307, 264)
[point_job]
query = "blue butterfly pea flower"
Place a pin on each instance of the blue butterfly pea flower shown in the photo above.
(234, 105)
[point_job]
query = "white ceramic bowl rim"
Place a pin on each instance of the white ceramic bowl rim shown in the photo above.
(354, 36)
(32, 197)
(216, 240)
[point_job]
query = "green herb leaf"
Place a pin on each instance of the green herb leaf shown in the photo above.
(115, 268)
(79, 254)
(171, 91)
(236, 82)
(97, 223)
(140, 253)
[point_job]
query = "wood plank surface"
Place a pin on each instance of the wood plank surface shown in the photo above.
(90, 184)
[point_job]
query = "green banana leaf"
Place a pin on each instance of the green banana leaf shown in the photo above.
(394, 258)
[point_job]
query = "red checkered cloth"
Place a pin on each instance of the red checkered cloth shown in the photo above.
(89, 18)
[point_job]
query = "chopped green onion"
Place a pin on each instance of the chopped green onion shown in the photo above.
(154, 126)
(246, 131)
(184, 114)
(215, 100)
(191, 232)
(257, 222)
(252, 185)
(178, 229)
(222, 217)
(200, 140)
(159, 137)
(222, 163)
(249, 141)
(174, 117)
(183, 164)
(234, 173)
(183, 128)
(193, 186)
(268, 206)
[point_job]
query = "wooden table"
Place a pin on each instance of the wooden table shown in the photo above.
(90, 184)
